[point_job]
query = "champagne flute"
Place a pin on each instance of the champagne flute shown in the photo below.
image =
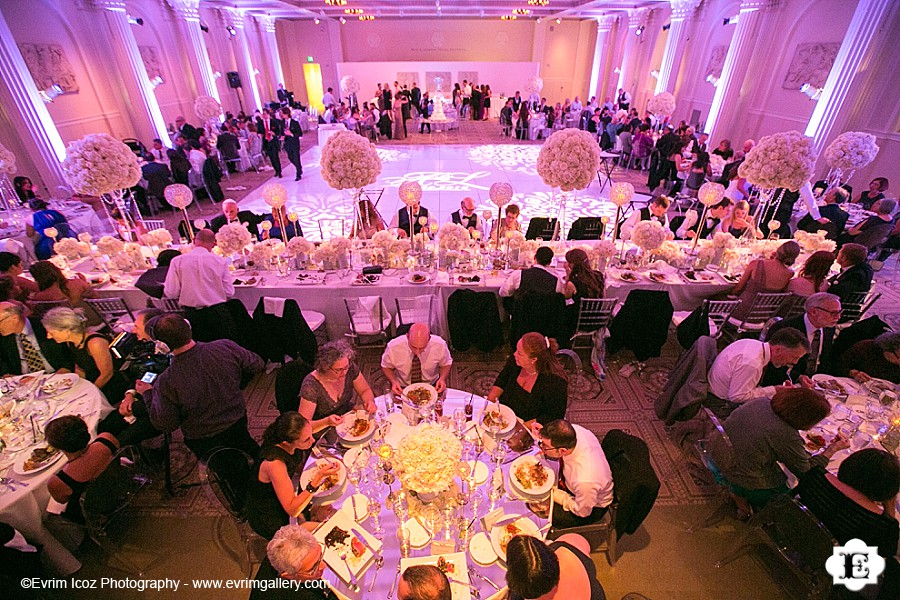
(354, 476)
(374, 507)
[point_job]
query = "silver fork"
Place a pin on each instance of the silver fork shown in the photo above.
(394, 584)
(354, 584)
(379, 562)
(474, 589)
(475, 573)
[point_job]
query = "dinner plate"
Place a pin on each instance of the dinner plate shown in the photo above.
(848, 385)
(331, 492)
(361, 279)
(246, 282)
(467, 279)
(361, 503)
(535, 490)
(481, 471)
(417, 386)
(457, 571)
(629, 277)
(309, 279)
(57, 385)
(353, 453)
(19, 466)
(343, 430)
(413, 278)
(357, 564)
(418, 535)
(481, 550)
(501, 534)
(698, 277)
(509, 417)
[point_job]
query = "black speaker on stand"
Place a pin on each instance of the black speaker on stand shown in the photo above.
(234, 82)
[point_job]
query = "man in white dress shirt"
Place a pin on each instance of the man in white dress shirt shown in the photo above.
(585, 487)
(736, 373)
(199, 278)
(416, 357)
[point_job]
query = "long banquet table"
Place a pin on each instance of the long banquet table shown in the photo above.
(384, 577)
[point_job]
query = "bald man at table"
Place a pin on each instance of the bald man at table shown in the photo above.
(416, 357)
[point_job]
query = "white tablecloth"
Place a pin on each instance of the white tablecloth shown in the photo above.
(24, 508)
(326, 131)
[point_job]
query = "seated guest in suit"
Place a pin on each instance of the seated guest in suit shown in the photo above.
(229, 146)
(333, 388)
(11, 265)
(158, 176)
(539, 279)
(822, 312)
(152, 281)
(856, 274)
(878, 358)
(533, 383)
(180, 166)
(833, 217)
(656, 211)
(860, 502)
(765, 432)
(24, 345)
(712, 224)
(585, 488)
(813, 277)
(423, 582)
(466, 215)
(414, 212)
(293, 554)
(271, 500)
(881, 220)
(231, 214)
(276, 218)
(416, 357)
(561, 568)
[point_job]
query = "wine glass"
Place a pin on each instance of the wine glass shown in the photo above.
(354, 476)
(500, 452)
(448, 513)
(459, 422)
(476, 501)
(405, 541)
(374, 506)
(431, 517)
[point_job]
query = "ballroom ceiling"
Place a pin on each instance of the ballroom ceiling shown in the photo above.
(572, 9)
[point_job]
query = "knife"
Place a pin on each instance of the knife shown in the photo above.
(363, 539)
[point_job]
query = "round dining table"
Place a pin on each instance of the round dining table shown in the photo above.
(24, 497)
(373, 582)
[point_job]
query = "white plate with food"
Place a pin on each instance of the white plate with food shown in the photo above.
(360, 453)
(363, 279)
(246, 282)
(420, 394)
(469, 279)
(835, 386)
(310, 279)
(877, 386)
(454, 566)
(481, 550)
(658, 277)
(698, 276)
(505, 418)
(340, 534)
(355, 428)
(57, 385)
(629, 276)
(333, 485)
(418, 278)
(38, 459)
(531, 476)
(501, 534)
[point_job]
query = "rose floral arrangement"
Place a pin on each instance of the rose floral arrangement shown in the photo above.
(7, 161)
(780, 160)
(723, 239)
(298, 245)
(207, 107)
(349, 161)
(98, 164)
(71, 248)
(569, 159)
(851, 150)
(263, 252)
(110, 246)
(671, 252)
(349, 85)
(135, 256)
(813, 242)
(764, 248)
(157, 237)
(515, 240)
(648, 235)
(661, 104)
(398, 249)
(453, 237)
(534, 84)
(716, 165)
(329, 251)
(232, 238)
(382, 240)
(426, 460)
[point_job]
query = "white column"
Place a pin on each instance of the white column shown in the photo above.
(604, 27)
(189, 12)
(236, 18)
(867, 22)
(132, 65)
(28, 109)
(671, 59)
(268, 31)
(740, 52)
(636, 18)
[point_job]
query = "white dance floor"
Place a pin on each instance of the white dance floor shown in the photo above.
(447, 174)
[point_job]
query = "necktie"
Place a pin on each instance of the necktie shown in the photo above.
(415, 372)
(33, 358)
(812, 362)
(561, 480)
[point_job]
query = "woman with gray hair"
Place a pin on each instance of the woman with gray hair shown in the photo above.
(333, 388)
(874, 358)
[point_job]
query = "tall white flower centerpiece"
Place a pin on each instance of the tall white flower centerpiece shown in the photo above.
(7, 170)
(350, 162)
(427, 460)
(781, 161)
(349, 88)
(848, 152)
(410, 193)
(648, 236)
(709, 194)
(501, 194)
(209, 111)
(232, 238)
(100, 165)
(661, 105)
(568, 161)
(275, 195)
(180, 196)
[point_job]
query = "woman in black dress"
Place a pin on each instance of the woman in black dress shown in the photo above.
(533, 383)
(271, 499)
(581, 282)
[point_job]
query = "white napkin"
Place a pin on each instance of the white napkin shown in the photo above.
(441, 278)
(274, 306)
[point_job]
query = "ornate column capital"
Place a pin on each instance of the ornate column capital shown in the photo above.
(189, 10)
(267, 23)
(638, 17)
(113, 5)
(751, 5)
(233, 17)
(683, 9)
(606, 22)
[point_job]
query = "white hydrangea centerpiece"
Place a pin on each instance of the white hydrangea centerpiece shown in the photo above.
(851, 150)
(349, 85)
(232, 238)
(7, 161)
(99, 164)
(569, 160)
(349, 161)
(781, 160)
(207, 108)
(427, 459)
(648, 235)
(662, 104)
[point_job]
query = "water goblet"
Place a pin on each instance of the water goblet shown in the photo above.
(431, 518)
(874, 410)
(354, 476)
(848, 430)
(448, 513)
(476, 502)
(374, 507)
(405, 541)
(841, 412)
(500, 452)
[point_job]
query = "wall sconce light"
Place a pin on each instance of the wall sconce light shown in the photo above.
(730, 20)
(617, 70)
(342, 20)
(366, 17)
(667, 26)
(654, 74)
(712, 79)
(539, 19)
(353, 11)
(51, 93)
(316, 20)
(256, 72)
(558, 21)
(204, 28)
(508, 17)
(639, 31)
(217, 74)
(156, 82)
(813, 93)
(135, 20)
(231, 30)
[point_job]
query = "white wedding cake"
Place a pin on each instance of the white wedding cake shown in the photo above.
(438, 112)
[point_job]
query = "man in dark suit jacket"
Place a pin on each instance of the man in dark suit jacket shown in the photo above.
(403, 219)
(229, 148)
(231, 214)
(292, 134)
(186, 129)
(833, 217)
(822, 312)
(466, 215)
(152, 281)
(271, 130)
(856, 274)
(157, 175)
(18, 333)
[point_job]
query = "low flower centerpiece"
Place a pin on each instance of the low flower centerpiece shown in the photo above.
(849, 151)
(265, 254)
(648, 236)
(453, 239)
(100, 165)
(72, 249)
(350, 162)
(298, 248)
(568, 160)
(381, 243)
(332, 254)
(231, 239)
(813, 242)
(600, 254)
(158, 239)
(426, 461)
